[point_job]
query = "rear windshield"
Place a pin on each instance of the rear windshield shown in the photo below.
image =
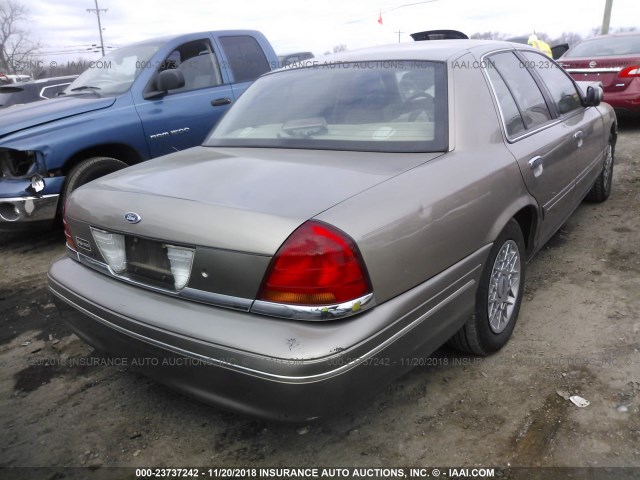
(606, 47)
(367, 106)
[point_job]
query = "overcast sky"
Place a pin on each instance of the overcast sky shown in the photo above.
(294, 25)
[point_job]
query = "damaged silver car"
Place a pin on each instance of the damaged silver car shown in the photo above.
(345, 218)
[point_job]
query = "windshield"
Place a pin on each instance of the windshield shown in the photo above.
(386, 106)
(114, 73)
(606, 47)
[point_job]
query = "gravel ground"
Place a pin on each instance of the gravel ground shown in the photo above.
(578, 333)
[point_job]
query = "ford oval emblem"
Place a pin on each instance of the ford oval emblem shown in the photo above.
(132, 217)
(592, 64)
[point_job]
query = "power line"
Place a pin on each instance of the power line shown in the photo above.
(387, 10)
(97, 12)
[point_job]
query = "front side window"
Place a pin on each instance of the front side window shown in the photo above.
(366, 106)
(198, 65)
(524, 89)
(562, 89)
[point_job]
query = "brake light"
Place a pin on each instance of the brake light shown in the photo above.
(67, 230)
(633, 71)
(317, 265)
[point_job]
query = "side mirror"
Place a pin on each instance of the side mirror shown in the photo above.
(593, 97)
(165, 81)
(558, 50)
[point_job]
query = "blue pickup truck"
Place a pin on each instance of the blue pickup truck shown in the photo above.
(138, 102)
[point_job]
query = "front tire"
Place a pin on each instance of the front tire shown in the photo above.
(602, 187)
(498, 297)
(89, 170)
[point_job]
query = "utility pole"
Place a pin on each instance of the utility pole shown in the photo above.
(607, 17)
(399, 33)
(97, 12)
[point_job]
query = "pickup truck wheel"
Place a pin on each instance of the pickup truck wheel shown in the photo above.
(498, 297)
(89, 170)
(602, 188)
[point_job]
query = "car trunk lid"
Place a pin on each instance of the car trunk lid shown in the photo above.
(247, 200)
(607, 71)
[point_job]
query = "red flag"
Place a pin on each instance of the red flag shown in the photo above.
(380, 18)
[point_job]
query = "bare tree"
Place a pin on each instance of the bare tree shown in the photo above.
(543, 36)
(339, 48)
(16, 46)
(488, 36)
(567, 37)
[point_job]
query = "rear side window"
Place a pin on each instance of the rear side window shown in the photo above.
(53, 90)
(523, 88)
(512, 118)
(247, 61)
(563, 91)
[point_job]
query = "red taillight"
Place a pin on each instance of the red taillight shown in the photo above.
(67, 231)
(633, 71)
(317, 265)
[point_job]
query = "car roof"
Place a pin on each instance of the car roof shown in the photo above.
(441, 50)
(610, 35)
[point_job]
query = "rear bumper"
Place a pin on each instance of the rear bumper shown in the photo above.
(279, 369)
(621, 98)
(627, 100)
(24, 213)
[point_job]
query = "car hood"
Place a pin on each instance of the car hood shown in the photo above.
(247, 200)
(38, 113)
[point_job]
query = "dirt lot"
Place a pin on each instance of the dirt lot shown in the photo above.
(578, 332)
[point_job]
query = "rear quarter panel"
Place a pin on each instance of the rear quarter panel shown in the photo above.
(425, 220)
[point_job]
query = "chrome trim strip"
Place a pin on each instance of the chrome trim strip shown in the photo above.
(257, 373)
(559, 197)
(594, 163)
(201, 296)
(594, 70)
(218, 299)
(293, 312)
(19, 199)
(314, 313)
(32, 208)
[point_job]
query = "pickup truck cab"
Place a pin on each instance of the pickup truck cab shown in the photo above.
(138, 102)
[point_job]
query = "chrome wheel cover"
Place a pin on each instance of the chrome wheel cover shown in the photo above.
(504, 286)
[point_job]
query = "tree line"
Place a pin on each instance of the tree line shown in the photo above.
(19, 53)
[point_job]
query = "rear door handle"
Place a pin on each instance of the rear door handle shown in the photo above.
(535, 162)
(218, 102)
(579, 137)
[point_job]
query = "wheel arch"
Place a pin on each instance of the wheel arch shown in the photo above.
(119, 151)
(527, 214)
(528, 219)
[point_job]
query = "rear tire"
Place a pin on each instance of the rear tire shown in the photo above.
(89, 170)
(602, 187)
(498, 297)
